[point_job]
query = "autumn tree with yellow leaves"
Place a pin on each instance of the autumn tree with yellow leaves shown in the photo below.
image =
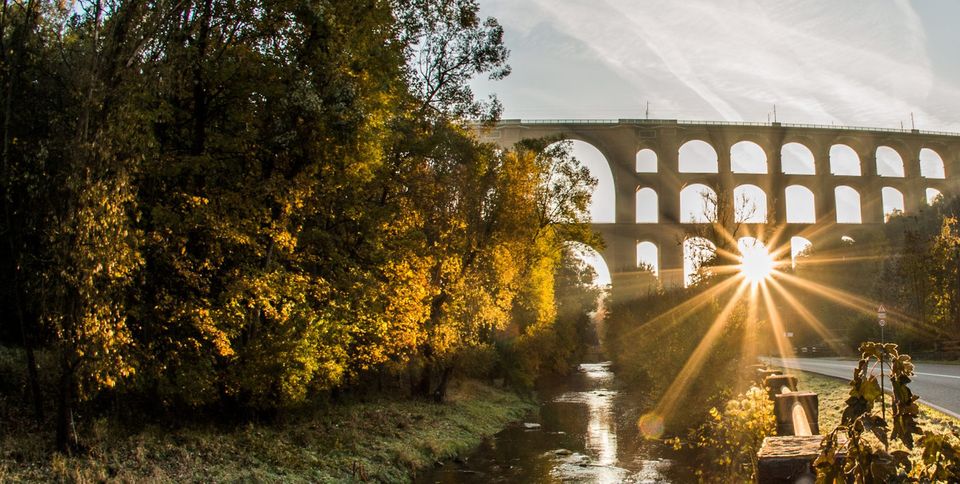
(245, 204)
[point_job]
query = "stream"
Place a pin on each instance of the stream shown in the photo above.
(584, 431)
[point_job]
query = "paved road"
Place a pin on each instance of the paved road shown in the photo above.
(937, 385)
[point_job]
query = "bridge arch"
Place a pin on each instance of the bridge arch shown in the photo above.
(698, 204)
(646, 160)
(750, 204)
(892, 202)
(748, 157)
(848, 205)
(648, 206)
(844, 160)
(931, 164)
(800, 247)
(801, 205)
(698, 156)
(797, 159)
(889, 162)
(649, 254)
(603, 200)
(620, 141)
(933, 195)
(594, 259)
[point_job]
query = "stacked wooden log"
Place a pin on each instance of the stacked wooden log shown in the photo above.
(788, 457)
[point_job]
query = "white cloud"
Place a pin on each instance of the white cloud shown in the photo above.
(858, 62)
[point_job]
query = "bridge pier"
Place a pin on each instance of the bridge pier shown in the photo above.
(620, 140)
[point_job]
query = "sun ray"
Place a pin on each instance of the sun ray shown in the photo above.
(807, 316)
(748, 347)
(695, 361)
(784, 347)
(756, 264)
(822, 260)
(846, 298)
(688, 307)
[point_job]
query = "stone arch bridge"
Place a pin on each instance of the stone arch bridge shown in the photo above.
(870, 172)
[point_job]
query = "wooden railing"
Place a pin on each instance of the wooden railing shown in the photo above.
(788, 457)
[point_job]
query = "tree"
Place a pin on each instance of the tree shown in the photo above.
(715, 243)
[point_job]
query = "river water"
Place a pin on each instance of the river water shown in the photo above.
(584, 432)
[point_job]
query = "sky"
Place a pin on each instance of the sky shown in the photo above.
(866, 63)
(851, 62)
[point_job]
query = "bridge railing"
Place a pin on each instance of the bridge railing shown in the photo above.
(642, 121)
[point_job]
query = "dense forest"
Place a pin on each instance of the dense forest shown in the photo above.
(234, 207)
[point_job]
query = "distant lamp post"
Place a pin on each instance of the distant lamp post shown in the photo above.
(882, 321)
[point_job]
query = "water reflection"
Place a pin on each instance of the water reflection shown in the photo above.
(588, 434)
(601, 435)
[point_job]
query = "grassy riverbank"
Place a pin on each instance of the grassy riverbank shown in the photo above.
(833, 392)
(385, 440)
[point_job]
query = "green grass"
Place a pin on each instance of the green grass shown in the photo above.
(386, 441)
(833, 392)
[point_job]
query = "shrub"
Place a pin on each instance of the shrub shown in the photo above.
(730, 439)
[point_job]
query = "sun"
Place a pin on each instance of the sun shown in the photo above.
(756, 263)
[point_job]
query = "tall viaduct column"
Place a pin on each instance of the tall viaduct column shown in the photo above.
(870, 188)
(724, 170)
(825, 201)
(671, 250)
(915, 194)
(776, 195)
(622, 240)
(669, 169)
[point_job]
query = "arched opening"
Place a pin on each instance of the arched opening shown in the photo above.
(698, 204)
(889, 162)
(750, 204)
(748, 157)
(800, 205)
(648, 211)
(931, 165)
(592, 258)
(646, 161)
(797, 159)
(696, 251)
(800, 247)
(648, 257)
(844, 161)
(698, 157)
(602, 203)
(848, 205)
(892, 202)
(933, 196)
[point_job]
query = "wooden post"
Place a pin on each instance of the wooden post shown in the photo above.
(775, 383)
(788, 459)
(784, 406)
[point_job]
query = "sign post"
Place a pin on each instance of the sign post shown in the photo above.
(882, 321)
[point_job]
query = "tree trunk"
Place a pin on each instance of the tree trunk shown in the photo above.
(66, 434)
(440, 394)
(201, 103)
(34, 377)
(426, 380)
